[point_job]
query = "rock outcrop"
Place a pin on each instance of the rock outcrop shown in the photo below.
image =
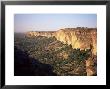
(91, 66)
(83, 38)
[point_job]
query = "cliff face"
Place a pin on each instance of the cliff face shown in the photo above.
(83, 38)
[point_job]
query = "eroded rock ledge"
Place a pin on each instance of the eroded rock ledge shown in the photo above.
(83, 38)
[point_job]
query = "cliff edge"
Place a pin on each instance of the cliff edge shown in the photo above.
(83, 38)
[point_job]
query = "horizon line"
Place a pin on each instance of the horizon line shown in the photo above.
(59, 29)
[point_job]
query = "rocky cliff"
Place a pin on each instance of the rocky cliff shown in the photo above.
(83, 38)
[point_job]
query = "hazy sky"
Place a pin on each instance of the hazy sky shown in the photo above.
(52, 22)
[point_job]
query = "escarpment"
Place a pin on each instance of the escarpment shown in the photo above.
(83, 38)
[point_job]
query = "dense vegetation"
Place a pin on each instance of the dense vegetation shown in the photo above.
(62, 57)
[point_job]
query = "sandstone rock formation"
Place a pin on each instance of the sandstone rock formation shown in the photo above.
(83, 38)
(91, 68)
